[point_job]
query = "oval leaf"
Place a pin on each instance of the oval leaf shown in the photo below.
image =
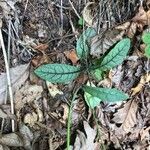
(82, 47)
(57, 73)
(116, 55)
(146, 38)
(106, 94)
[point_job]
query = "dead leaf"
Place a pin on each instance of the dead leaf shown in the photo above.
(11, 139)
(142, 17)
(83, 142)
(18, 75)
(72, 55)
(123, 26)
(102, 42)
(27, 136)
(41, 47)
(144, 134)
(4, 147)
(27, 93)
(31, 119)
(126, 116)
(87, 13)
(144, 79)
(132, 30)
(53, 89)
(40, 60)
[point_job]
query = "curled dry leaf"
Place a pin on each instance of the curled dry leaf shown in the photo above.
(18, 75)
(87, 13)
(126, 116)
(144, 134)
(11, 139)
(144, 79)
(41, 47)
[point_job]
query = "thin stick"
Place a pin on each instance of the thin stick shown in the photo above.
(8, 78)
(74, 9)
(61, 17)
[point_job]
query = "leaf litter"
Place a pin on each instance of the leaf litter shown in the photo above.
(41, 109)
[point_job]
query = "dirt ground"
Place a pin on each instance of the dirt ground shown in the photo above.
(34, 112)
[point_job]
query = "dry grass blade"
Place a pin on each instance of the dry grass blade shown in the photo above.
(8, 76)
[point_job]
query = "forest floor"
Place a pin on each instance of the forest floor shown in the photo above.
(48, 108)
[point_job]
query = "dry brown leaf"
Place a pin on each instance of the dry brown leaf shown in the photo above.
(144, 134)
(40, 59)
(102, 42)
(83, 142)
(18, 75)
(144, 79)
(11, 139)
(72, 55)
(87, 13)
(132, 30)
(31, 119)
(41, 47)
(123, 26)
(27, 136)
(53, 89)
(126, 116)
(28, 93)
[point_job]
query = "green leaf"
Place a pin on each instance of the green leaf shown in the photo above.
(91, 100)
(116, 55)
(97, 74)
(146, 38)
(81, 22)
(106, 94)
(57, 73)
(147, 51)
(82, 46)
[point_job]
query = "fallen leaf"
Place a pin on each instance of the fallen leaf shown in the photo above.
(86, 142)
(144, 134)
(87, 13)
(102, 42)
(27, 94)
(126, 116)
(144, 79)
(31, 119)
(4, 147)
(11, 139)
(18, 76)
(41, 47)
(53, 89)
(132, 30)
(27, 136)
(72, 56)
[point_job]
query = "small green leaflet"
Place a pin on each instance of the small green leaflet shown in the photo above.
(91, 100)
(81, 22)
(116, 55)
(146, 38)
(147, 51)
(82, 46)
(97, 74)
(106, 94)
(57, 73)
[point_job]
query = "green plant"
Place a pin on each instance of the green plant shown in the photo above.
(62, 73)
(146, 40)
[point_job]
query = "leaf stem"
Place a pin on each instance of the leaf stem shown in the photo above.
(70, 118)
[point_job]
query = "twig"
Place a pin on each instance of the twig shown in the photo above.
(61, 18)
(74, 9)
(8, 76)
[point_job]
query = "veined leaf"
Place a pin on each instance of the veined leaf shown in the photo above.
(82, 46)
(116, 55)
(146, 38)
(106, 94)
(57, 73)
